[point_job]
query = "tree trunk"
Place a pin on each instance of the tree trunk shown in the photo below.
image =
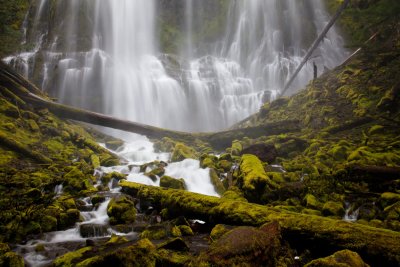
(374, 244)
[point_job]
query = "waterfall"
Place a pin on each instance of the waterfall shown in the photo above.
(105, 56)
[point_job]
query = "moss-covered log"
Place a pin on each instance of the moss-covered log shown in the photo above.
(377, 245)
(28, 92)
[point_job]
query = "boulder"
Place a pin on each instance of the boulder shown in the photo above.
(174, 244)
(121, 210)
(261, 247)
(181, 152)
(170, 182)
(332, 208)
(265, 152)
(343, 258)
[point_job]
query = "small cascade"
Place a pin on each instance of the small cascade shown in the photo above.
(138, 150)
(350, 215)
(58, 189)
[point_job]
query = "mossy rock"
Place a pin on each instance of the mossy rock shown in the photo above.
(116, 239)
(392, 212)
(343, 258)
(185, 230)
(218, 231)
(11, 259)
(48, 223)
(181, 152)
(311, 212)
(208, 161)
(225, 165)
(245, 244)
(176, 232)
(95, 160)
(155, 232)
(170, 182)
(236, 148)
(71, 258)
(106, 178)
(217, 183)
(155, 173)
(389, 198)
(121, 210)
(233, 193)
(76, 181)
(332, 208)
(312, 202)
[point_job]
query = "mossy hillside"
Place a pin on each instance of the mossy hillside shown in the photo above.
(363, 18)
(37, 152)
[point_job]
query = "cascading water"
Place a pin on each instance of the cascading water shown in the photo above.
(104, 56)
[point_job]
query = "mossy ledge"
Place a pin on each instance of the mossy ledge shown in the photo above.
(373, 244)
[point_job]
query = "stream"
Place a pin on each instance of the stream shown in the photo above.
(94, 225)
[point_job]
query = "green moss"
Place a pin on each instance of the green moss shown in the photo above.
(170, 182)
(218, 231)
(234, 194)
(389, 198)
(253, 179)
(312, 202)
(176, 232)
(11, 259)
(217, 183)
(236, 148)
(186, 230)
(343, 258)
(121, 210)
(71, 258)
(181, 152)
(154, 233)
(95, 160)
(333, 208)
(115, 239)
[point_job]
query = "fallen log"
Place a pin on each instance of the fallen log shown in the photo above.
(29, 93)
(373, 244)
(371, 174)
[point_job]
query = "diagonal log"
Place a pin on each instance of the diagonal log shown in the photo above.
(374, 244)
(25, 90)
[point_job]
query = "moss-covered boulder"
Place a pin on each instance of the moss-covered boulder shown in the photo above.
(343, 258)
(332, 208)
(236, 148)
(218, 231)
(182, 151)
(121, 210)
(312, 202)
(9, 258)
(260, 247)
(389, 198)
(170, 182)
(217, 183)
(155, 232)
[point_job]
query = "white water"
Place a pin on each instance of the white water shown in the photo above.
(104, 56)
(350, 215)
(138, 150)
